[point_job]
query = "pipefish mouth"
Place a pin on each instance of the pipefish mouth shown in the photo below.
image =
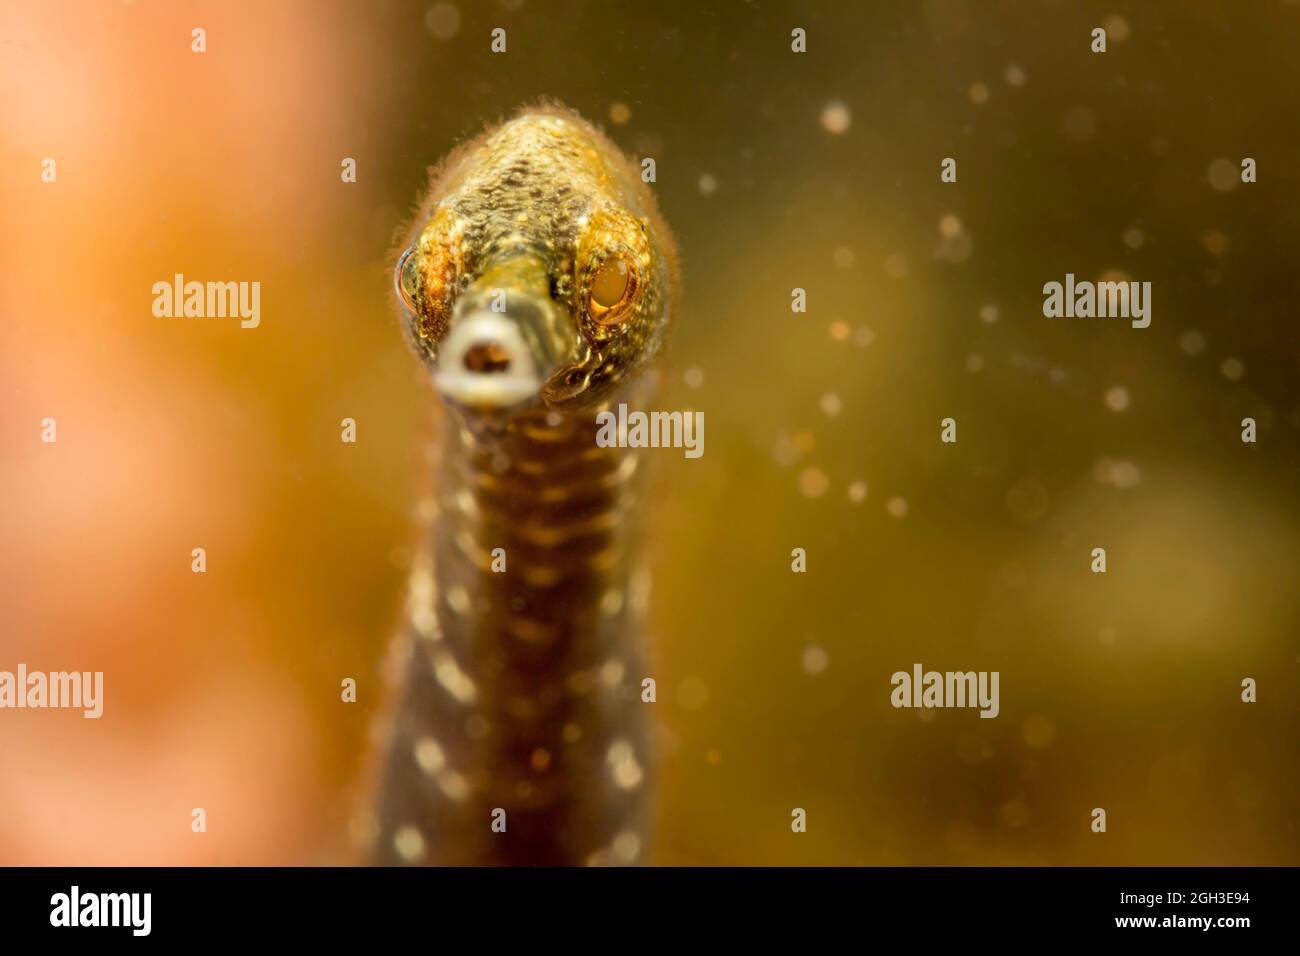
(536, 288)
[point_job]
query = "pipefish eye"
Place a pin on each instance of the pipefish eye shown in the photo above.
(612, 288)
(406, 278)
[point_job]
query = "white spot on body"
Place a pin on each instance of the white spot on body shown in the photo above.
(627, 846)
(623, 766)
(458, 600)
(611, 602)
(465, 504)
(453, 679)
(611, 673)
(429, 755)
(425, 621)
(453, 786)
(421, 594)
(421, 585)
(409, 843)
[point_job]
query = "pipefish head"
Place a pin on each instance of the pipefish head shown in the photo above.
(539, 273)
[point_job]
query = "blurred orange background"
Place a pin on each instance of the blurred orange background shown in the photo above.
(776, 170)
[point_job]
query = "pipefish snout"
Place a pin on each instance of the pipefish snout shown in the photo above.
(536, 288)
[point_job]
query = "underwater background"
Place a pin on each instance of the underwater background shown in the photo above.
(777, 171)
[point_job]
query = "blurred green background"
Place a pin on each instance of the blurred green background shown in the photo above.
(776, 170)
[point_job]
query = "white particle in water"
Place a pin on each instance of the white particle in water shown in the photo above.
(1192, 342)
(813, 482)
(836, 118)
(896, 265)
(443, 20)
(1223, 174)
(1116, 28)
(815, 659)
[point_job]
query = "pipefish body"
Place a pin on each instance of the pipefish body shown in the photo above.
(536, 288)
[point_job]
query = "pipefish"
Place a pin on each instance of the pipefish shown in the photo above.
(536, 287)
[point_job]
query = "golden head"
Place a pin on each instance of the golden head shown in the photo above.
(539, 272)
